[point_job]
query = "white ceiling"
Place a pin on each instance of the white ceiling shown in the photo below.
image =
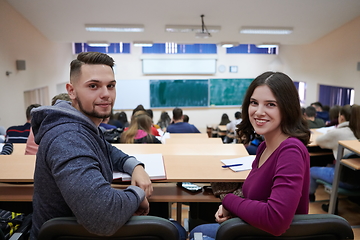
(64, 20)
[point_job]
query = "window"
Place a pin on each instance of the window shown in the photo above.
(112, 48)
(332, 95)
(39, 96)
(174, 48)
(301, 87)
(251, 49)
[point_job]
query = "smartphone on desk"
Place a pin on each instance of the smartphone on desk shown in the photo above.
(190, 186)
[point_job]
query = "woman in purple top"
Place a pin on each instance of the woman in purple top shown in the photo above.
(277, 187)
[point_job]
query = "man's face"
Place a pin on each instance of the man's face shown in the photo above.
(93, 93)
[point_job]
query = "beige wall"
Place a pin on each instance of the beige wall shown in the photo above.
(331, 60)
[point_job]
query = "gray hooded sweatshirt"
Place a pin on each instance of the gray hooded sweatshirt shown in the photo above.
(73, 172)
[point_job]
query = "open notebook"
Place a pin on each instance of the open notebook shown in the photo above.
(246, 163)
(154, 166)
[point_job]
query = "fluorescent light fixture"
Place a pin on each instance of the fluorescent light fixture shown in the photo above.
(191, 28)
(266, 30)
(114, 27)
(268, 45)
(228, 44)
(143, 44)
(98, 44)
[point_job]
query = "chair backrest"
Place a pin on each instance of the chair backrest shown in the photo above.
(138, 227)
(307, 226)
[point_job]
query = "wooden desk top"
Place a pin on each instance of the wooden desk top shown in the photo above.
(313, 136)
(193, 141)
(184, 149)
(200, 169)
(353, 145)
(19, 149)
(189, 135)
(189, 168)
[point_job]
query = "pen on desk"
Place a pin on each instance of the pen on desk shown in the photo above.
(232, 165)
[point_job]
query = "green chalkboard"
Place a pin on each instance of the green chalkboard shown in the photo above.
(228, 92)
(179, 93)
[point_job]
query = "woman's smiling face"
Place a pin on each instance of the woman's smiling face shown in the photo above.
(264, 112)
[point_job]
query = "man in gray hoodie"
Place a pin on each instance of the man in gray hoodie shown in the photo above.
(74, 163)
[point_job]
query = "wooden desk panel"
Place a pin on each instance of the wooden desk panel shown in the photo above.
(163, 192)
(17, 168)
(184, 149)
(193, 141)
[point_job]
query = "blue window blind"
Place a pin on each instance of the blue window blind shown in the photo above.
(331, 95)
(174, 48)
(250, 48)
(113, 48)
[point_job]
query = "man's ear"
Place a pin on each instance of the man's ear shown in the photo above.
(71, 91)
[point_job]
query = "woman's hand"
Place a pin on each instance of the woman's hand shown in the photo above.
(141, 179)
(222, 214)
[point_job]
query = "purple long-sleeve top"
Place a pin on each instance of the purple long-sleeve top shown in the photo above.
(277, 190)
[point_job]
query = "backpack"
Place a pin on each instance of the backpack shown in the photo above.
(9, 223)
(113, 135)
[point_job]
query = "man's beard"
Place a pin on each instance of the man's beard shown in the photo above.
(93, 113)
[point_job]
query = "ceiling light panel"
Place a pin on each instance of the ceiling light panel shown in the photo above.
(266, 30)
(191, 28)
(114, 27)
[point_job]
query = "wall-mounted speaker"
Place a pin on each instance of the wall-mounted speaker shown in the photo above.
(20, 65)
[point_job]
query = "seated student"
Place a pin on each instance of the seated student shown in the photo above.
(139, 130)
(333, 116)
(19, 134)
(31, 146)
(115, 121)
(231, 128)
(224, 119)
(140, 107)
(320, 112)
(312, 120)
(178, 125)
(164, 121)
(122, 117)
(104, 125)
(186, 118)
(74, 164)
(278, 185)
(348, 129)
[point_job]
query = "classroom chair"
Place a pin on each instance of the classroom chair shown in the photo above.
(137, 228)
(348, 175)
(304, 226)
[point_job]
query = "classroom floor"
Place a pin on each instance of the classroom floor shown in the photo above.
(347, 209)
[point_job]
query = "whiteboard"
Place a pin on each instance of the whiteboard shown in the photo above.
(130, 93)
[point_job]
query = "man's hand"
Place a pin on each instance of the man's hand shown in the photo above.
(143, 208)
(222, 214)
(141, 179)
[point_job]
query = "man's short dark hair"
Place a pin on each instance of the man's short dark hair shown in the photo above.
(88, 58)
(310, 111)
(177, 113)
(317, 104)
(238, 115)
(29, 108)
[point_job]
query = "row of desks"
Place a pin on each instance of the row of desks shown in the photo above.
(179, 168)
